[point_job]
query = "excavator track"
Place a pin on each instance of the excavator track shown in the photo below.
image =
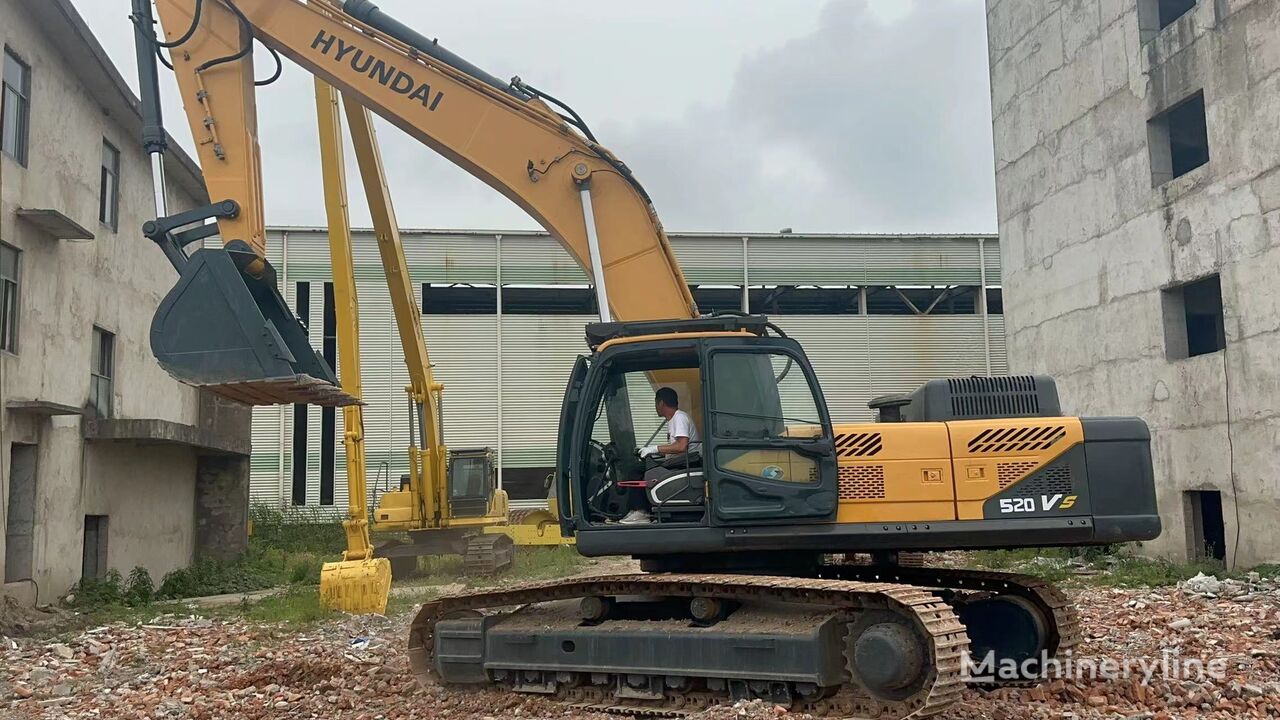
(1061, 622)
(487, 554)
(856, 609)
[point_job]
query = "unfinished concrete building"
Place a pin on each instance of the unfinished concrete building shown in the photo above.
(1137, 151)
(105, 462)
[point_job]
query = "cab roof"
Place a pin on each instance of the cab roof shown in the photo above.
(600, 333)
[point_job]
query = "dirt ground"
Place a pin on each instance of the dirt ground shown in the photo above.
(355, 668)
(16, 619)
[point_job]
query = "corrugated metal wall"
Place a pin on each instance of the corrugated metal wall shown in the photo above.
(505, 374)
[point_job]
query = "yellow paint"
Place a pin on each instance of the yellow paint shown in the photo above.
(914, 460)
(356, 586)
(360, 583)
(981, 467)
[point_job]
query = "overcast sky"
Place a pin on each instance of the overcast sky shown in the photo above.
(737, 115)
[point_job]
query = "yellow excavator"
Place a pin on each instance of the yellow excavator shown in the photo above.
(775, 550)
(447, 499)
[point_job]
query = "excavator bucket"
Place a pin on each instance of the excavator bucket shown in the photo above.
(228, 331)
(359, 587)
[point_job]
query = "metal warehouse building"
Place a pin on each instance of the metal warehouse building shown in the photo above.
(504, 312)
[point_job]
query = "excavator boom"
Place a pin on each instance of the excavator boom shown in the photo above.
(501, 133)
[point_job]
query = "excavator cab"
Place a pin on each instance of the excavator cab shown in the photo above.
(472, 480)
(767, 452)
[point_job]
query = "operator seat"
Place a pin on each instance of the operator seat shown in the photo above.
(682, 492)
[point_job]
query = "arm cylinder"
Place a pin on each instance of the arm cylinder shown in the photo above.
(154, 141)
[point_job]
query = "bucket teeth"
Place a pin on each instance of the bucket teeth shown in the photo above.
(297, 389)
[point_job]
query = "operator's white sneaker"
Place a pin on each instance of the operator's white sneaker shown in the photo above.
(636, 517)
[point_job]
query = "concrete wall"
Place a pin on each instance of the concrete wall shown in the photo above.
(149, 494)
(1089, 239)
(114, 282)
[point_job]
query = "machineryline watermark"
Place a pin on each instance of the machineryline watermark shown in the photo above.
(1170, 665)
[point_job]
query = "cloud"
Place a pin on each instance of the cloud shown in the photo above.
(738, 115)
(862, 125)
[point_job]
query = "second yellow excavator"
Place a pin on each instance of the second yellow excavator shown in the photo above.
(773, 548)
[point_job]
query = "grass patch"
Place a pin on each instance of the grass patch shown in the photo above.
(298, 606)
(530, 563)
(1135, 572)
(297, 530)
(1268, 570)
(1105, 566)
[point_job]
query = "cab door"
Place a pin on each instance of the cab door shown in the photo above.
(769, 454)
(569, 492)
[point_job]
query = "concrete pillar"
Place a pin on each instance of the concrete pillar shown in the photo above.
(222, 506)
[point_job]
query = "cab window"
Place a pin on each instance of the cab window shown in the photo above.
(761, 401)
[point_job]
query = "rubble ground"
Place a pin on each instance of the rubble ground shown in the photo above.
(241, 666)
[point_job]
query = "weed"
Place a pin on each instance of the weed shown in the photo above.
(99, 592)
(139, 590)
(296, 607)
(296, 530)
(1268, 570)
(305, 570)
(1110, 566)
(210, 577)
(1131, 571)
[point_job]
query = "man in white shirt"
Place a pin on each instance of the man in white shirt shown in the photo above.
(682, 438)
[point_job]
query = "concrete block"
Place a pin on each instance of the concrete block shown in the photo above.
(1009, 21)
(1193, 458)
(1267, 188)
(1254, 378)
(1024, 184)
(1197, 229)
(1134, 257)
(1004, 88)
(1096, 338)
(1015, 132)
(1117, 55)
(1257, 483)
(1261, 51)
(1110, 11)
(1060, 285)
(1197, 395)
(1013, 243)
(1039, 53)
(1252, 131)
(1122, 387)
(1081, 23)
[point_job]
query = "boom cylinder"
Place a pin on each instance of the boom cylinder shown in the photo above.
(368, 13)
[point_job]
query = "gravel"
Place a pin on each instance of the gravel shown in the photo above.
(355, 668)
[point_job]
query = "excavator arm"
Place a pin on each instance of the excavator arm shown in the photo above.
(504, 134)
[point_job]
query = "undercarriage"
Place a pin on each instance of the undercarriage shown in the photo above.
(841, 640)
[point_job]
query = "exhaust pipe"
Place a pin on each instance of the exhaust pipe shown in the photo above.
(368, 13)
